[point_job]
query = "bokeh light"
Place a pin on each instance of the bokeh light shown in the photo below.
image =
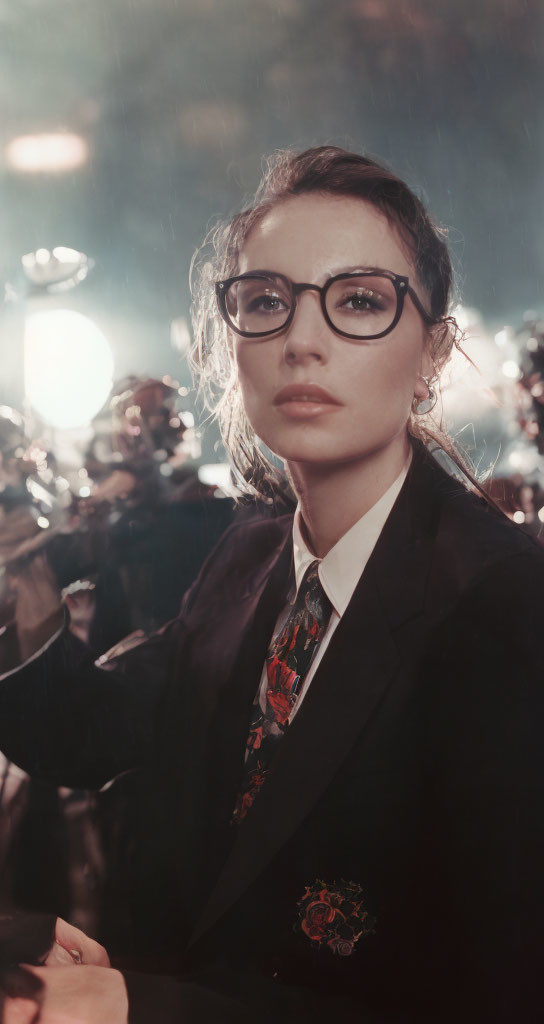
(68, 367)
(46, 153)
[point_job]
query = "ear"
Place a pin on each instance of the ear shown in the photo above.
(427, 371)
(438, 343)
(430, 364)
(421, 389)
(440, 340)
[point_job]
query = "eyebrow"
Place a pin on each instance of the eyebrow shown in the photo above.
(360, 268)
(356, 269)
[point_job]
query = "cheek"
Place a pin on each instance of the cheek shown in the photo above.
(244, 367)
(388, 374)
(401, 379)
(254, 370)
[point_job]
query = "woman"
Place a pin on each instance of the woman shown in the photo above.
(359, 834)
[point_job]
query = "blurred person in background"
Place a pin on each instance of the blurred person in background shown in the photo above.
(118, 562)
(341, 733)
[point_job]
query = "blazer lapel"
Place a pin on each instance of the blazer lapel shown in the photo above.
(228, 726)
(360, 663)
(221, 654)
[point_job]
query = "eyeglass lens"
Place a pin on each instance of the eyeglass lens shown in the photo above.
(362, 305)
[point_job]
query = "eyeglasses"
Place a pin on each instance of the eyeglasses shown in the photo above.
(364, 305)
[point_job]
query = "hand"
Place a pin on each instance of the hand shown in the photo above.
(82, 607)
(90, 995)
(72, 948)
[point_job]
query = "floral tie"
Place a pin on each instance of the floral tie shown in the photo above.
(287, 662)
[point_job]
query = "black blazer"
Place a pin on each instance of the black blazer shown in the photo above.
(391, 868)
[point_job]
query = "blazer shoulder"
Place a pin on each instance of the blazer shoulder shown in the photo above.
(244, 550)
(252, 538)
(476, 542)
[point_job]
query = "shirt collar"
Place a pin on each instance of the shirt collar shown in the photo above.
(342, 567)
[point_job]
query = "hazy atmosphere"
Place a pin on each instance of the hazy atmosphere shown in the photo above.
(177, 101)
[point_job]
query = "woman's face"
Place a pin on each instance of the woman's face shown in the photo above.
(369, 385)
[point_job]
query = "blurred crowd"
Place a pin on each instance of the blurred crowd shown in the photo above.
(517, 480)
(110, 545)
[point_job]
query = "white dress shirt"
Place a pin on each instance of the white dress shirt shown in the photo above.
(339, 572)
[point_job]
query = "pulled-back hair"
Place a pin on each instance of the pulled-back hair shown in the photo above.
(325, 170)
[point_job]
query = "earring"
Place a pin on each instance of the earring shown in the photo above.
(425, 405)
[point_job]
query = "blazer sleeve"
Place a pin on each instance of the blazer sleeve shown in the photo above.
(77, 723)
(485, 679)
(68, 721)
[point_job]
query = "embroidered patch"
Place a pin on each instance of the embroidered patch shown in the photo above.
(334, 915)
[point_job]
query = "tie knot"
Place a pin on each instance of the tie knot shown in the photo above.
(310, 580)
(312, 597)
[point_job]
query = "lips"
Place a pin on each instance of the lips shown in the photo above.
(305, 393)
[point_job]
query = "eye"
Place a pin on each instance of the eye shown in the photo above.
(360, 300)
(258, 306)
(265, 303)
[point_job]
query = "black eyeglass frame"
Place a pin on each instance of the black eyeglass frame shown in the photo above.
(401, 284)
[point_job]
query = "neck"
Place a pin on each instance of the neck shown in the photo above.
(333, 498)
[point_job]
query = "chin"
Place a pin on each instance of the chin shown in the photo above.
(303, 449)
(330, 451)
(303, 442)
(322, 455)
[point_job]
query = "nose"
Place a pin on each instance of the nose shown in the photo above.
(307, 337)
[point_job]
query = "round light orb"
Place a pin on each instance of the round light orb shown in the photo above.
(68, 367)
(511, 369)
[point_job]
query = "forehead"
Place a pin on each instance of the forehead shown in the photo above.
(312, 237)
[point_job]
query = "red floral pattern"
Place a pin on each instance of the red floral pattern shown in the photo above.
(334, 915)
(287, 662)
(255, 738)
(245, 799)
(280, 698)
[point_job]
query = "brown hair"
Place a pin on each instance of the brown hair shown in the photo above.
(332, 171)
